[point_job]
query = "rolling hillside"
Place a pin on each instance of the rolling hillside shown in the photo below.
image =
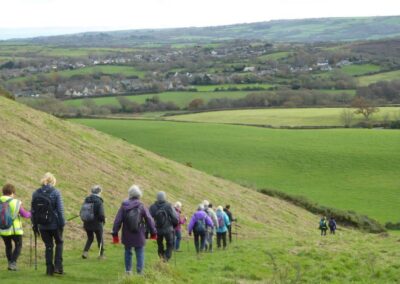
(302, 30)
(278, 242)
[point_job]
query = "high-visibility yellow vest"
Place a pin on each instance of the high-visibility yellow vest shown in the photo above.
(16, 228)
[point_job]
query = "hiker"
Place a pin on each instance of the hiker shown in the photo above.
(222, 226)
(134, 217)
(165, 218)
(92, 215)
(210, 230)
(11, 225)
(229, 213)
(178, 228)
(332, 225)
(198, 223)
(48, 221)
(323, 226)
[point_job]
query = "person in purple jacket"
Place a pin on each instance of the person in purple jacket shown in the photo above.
(131, 239)
(198, 225)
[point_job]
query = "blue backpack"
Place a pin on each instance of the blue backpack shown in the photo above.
(6, 220)
(221, 221)
(200, 226)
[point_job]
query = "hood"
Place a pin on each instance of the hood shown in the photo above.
(131, 203)
(93, 198)
(46, 188)
(200, 214)
(160, 204)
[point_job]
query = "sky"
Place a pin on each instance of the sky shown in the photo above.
(55, 16)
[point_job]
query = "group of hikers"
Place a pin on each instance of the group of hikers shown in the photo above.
(162, 222)
(324, 224)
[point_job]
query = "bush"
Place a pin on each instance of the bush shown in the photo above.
(392, 226)
(345, 218)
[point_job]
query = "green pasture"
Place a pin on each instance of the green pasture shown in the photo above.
(274, 56)
(211, 88)
(285, 117)
(182, 99)
(385, 76)
(353, 169)
(354, 69)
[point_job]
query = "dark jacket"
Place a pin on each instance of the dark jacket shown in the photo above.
(98, 209)
(229, 213)
(173, 218)
(130, 239)
(56, 204)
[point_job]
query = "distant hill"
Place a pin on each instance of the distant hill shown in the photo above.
(303, 30)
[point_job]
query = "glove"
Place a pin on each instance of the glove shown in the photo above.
(115, 239)
(153, 237)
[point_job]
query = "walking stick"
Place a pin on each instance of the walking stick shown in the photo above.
(101, 244)
(30, 248)
(35, 250)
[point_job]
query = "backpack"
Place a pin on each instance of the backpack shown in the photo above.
(332, 223)
(6, 220)
(162, 219)
(200, 226)
(322, 224)
(133, 219)
(87, 212)
(43, 209)
(221, 221)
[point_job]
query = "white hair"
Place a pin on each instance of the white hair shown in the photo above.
(134, 192)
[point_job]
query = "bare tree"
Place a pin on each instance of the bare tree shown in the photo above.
(347, 117)
(364, 107)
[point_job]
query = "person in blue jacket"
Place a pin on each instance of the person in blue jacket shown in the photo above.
(222, 226)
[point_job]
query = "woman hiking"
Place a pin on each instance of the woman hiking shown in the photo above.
(178, 229)
(11, 225)
(93, 217)
(222, 226)
(323, 226)
(134, 217)
(198, 225)
(48, 220)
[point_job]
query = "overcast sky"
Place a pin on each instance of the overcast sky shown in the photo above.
(82, 15)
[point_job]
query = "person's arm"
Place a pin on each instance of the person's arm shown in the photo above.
(24, 213)
(60, 209)
(149, 221)
(209, 222)
(226, 219)
(174, 217)
(191, 224)
(117, 222)
(102, 217)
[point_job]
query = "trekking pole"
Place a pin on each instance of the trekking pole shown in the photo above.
(35, 250)
(72, 218)
(30, 248)
(174, 252)
(101, 244)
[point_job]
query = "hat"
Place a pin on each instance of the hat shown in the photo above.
(178, 205)
(200, 207)
(96, 189)
(219, 208)
(206, 203)
(134, 192)
(161, 196)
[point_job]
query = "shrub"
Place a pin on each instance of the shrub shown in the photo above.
(346, 218)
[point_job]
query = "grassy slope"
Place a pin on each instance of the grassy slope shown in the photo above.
(353, 69)
(34, 142)
(282, 117)
(339, 168)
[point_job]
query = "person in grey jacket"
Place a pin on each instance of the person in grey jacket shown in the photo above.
(166, 220)
(50, 229)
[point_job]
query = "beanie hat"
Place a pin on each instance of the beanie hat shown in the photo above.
(134, 192)
(96, 189)
(161, 196)
(206, 203)
(219, 208)
(178, 205)
(200, 207)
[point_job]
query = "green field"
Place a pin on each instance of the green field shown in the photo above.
(284, 117)
(274, 56)
(181, 99)
(349, 169)
(385, 76)
(103, 69)
(354, 69)
(211, 88)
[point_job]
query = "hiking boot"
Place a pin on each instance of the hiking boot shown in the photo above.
(59, 271)
(102, 257)
(50, 270)
(128, 273)
(12, 266)
(85, 254)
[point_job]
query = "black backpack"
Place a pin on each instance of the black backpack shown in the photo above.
(87, 212)
(162, 219)
(43, 209)
(200, 226)
(133, 219)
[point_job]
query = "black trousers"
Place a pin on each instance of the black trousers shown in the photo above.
(90, 239)
(199, 241)
(221, 236)
(12, 255)
(169, 240)
(49, 238)
(230, 232)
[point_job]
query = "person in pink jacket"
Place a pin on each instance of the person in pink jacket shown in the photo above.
(178, 228)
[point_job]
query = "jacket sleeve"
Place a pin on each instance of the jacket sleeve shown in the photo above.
(151, 210)
(24, 213)
(60, 209)
(209, 222)
(102, 217)
(214, 219)
(117, 222)
(32, 210)
(149, 221)
(191, 224)
(226, 219)
(174, 217)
